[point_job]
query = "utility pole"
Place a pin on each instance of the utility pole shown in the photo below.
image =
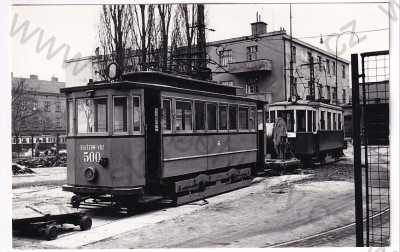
(312, 79)
(201, 41)
(293, 88)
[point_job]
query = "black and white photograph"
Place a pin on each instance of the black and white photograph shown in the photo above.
(206, 124)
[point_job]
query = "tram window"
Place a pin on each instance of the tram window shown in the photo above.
(314, 113)
(322, 120)
(136, 113)
(272, 117)
(183, 116)
(120, 114)
(309, 121)
(334, 121)
(200, 115)
(301, 120)
(223, 117)
(232, 117)
(211, 116)
(339, 122)
(266, 116)
(91, 115)
(101, 115)
(243, 118)
(252, 118)
(329, 121)
(288, 116)
(70, 111)
(166, 116)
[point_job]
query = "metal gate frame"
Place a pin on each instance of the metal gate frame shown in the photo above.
(371, 148)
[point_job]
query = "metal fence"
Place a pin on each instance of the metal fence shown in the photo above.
(371, 153)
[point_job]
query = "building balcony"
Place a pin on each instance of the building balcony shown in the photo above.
(250, 66)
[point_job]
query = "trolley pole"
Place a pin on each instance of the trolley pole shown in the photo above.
(357, 151)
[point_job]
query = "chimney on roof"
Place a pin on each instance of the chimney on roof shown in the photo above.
(54, 79)
(33, 77)
(259, 27)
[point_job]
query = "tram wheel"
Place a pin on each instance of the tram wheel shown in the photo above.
(51, 232)
(85, 223)
(75, 201)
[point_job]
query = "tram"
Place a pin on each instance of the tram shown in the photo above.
(314, 128)
(157, 136)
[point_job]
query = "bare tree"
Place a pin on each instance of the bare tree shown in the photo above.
(164, 11)
(143, 31)
(115, 34)
(23, 107)
(188, 17)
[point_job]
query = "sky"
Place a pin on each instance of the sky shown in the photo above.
(73, 30)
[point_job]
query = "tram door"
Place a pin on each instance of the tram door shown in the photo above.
(153, 140)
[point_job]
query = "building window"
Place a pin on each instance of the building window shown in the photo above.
(58, 106)
(120, 114)
(328, 66)
(334, 94)
(136, 113)
(309, 55)
(334, 67)
(328, 92)
(227, 83)
(344, 96)
(183, 116)
(343, 71)
(200, 115)
(47, 106)
(294, 54)
(252, 52)
(223, 117)
(225, 57)
(166, 115)
(319, 63)
(251, 89)
(58, 123)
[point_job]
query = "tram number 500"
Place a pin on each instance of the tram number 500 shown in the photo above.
(90, 156)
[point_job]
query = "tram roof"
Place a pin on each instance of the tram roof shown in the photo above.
(167, 79)
(305, 103)
(167, 82)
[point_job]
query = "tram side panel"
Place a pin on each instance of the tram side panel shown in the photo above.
(184, 154)
(244, 148)
(330, 140)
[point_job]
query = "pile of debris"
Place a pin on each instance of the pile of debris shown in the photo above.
(47, 161)
(20, 169)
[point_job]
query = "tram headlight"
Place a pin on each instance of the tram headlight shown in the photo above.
(90, 174)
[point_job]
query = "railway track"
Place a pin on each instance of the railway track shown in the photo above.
(330, 235)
